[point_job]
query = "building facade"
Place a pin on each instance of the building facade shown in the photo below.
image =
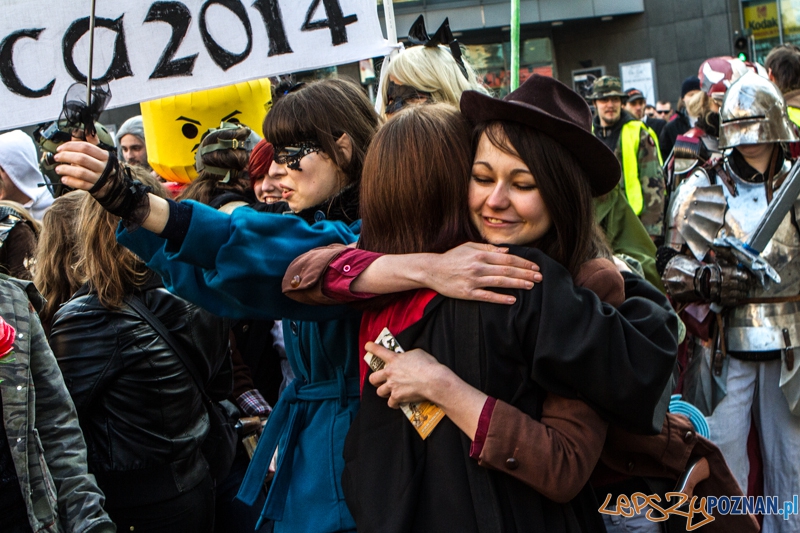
(656, 42)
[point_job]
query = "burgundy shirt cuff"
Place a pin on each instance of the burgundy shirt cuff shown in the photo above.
(483, 428)
(343, 270)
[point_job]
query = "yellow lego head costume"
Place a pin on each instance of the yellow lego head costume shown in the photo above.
(174, 126)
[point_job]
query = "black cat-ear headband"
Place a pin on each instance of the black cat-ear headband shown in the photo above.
(418, 36)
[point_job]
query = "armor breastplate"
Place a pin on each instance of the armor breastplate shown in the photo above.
(700, 210)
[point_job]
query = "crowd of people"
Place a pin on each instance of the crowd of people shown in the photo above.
(455, 313)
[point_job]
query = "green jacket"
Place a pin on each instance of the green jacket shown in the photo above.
(41, 424)
(626, 234)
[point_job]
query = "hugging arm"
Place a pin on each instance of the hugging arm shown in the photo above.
(334, 274)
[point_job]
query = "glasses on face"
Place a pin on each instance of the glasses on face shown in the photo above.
(662, 111)
(291, 155)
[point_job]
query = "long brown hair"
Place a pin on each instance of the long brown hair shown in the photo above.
(208, 185)
(111, 270)
(415, 184)
(572, 238)
(323, 111)
(56, 275)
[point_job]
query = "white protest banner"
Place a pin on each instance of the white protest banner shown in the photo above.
(148, 49)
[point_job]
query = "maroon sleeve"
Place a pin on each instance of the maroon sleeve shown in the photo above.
(483, 428)
(343, 270)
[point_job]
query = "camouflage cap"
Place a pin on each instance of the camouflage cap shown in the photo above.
(607, 86)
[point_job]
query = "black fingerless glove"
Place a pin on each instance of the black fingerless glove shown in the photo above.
(121, 195)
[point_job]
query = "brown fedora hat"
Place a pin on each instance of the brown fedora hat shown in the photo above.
(547, 105)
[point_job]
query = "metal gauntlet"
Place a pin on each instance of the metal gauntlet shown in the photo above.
(679, 278)
(687, 279)
(727, 284)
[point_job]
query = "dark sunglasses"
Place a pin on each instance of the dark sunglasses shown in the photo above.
(663, 112)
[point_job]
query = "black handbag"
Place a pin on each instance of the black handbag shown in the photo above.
(219, 446)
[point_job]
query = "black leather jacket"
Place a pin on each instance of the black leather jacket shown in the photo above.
(141, 414)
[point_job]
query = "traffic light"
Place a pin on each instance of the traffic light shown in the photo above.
(741, 46)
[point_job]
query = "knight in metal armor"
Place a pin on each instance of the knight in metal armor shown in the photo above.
(731, 264)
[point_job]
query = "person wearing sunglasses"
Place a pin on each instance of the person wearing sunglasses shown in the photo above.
(664, 110)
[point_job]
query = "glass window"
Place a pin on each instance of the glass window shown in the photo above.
(761, 17)
(536, 52)
(492, 62)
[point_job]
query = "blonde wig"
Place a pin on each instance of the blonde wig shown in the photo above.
(433, 70)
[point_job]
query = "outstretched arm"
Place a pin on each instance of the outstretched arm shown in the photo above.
(231, 265)
(81, 166)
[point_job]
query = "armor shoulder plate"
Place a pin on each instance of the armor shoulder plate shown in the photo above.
(697, 213)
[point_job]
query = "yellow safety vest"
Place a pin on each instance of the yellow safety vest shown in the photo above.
(629, 144)
(794, 114)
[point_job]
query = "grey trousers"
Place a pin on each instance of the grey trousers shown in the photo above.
(637, 523)
(753, 388)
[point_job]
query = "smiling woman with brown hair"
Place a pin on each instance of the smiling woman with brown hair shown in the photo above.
(553, 364)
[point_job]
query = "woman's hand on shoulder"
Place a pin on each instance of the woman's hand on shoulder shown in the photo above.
(81, 164)
(467, 271)
(406, 377)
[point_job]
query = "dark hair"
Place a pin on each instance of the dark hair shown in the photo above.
(572, 239)
(783, 63)
(415, 185)
(208, 185)
(323, 111)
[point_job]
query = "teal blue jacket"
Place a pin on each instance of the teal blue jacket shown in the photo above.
(233, 265)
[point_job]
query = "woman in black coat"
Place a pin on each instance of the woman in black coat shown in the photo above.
(527, 188)
(141, 412)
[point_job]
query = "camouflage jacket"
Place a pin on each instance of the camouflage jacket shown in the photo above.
(41, 424)
(653, 186)
(650, 172)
